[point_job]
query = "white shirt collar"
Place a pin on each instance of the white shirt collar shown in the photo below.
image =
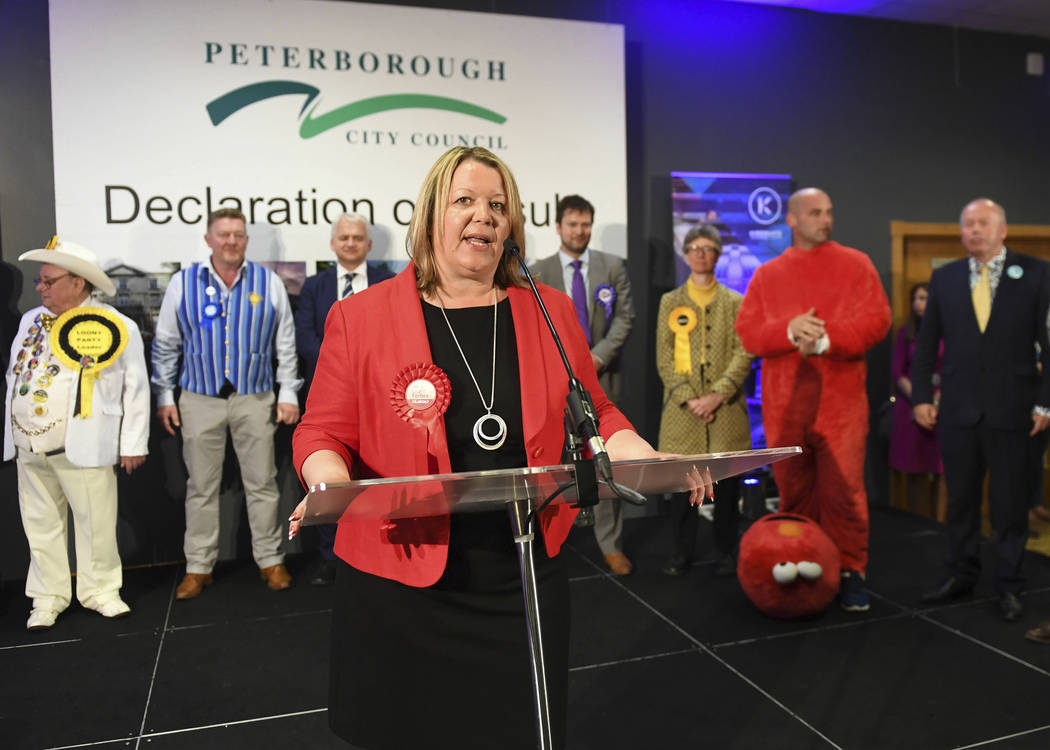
(566, 259)
(343, 270)
(240, 272)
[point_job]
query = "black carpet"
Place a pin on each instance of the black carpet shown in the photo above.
(656, 662)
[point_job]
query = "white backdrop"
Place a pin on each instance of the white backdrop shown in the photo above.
(138, 154)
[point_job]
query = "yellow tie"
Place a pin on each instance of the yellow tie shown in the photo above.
(982, 299)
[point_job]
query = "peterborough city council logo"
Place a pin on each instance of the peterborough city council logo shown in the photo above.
(312, 124)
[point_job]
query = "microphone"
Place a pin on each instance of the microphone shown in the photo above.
(585, 418)
(580, 412)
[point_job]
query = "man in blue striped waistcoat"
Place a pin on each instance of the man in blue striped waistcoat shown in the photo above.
(225, 320)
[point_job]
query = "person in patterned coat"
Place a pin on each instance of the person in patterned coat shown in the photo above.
(703, 366)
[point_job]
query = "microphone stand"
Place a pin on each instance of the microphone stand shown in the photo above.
(581, 428)
(581, 422)
(586, 483)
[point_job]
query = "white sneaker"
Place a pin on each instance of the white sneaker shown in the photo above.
(115, 607)
(41, 619)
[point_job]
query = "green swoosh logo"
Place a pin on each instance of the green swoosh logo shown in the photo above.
(221, 108)
(224, 106)
(312, 126)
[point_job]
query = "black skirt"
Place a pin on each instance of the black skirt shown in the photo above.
(447, 666)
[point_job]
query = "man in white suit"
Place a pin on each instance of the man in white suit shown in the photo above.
(598, 285)
(77, 404)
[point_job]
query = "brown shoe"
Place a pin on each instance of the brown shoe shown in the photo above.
(1040, 633)
(192, 585)
(276, 576)
(1038, 513)
(619, 564)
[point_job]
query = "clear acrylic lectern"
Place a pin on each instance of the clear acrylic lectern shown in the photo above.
(522, 491)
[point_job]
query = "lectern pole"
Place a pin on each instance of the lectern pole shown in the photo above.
(523, 539)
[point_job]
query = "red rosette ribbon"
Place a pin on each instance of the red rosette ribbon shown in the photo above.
(420, 394)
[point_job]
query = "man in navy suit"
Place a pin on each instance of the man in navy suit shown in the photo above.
(351, 275)
(990, 310)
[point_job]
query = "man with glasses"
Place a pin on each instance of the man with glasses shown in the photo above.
(226, 319)
(73, 412)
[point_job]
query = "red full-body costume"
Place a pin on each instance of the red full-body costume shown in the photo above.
(818, 402)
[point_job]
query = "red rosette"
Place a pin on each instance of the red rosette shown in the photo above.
(420, 393)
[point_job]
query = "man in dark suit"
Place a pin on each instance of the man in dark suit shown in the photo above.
(350, 242)
(990, 310)
(597, 282)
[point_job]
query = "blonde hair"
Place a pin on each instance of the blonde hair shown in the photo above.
(432, 202)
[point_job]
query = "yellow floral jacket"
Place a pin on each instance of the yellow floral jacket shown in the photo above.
(727, 366)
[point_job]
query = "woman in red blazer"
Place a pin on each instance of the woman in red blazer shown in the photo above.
(424, 618)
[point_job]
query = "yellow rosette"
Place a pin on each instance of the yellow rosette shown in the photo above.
(88, 339)
(682, 321)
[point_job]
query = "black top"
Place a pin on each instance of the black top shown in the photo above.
(473, 328)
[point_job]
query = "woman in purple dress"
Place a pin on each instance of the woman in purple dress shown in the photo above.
(913, 449)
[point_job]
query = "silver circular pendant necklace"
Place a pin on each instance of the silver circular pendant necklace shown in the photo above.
(494, 441)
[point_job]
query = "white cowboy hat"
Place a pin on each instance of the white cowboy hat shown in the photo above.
(79, 260)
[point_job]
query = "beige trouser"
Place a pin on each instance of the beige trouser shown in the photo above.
(251, 424)
(608, 526)
(47, 487)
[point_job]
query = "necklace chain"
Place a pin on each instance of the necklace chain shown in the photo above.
(494, 441)
(492, 392)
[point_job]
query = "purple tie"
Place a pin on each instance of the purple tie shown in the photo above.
(579, 298)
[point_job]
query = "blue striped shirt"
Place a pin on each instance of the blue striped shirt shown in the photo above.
(249, 322)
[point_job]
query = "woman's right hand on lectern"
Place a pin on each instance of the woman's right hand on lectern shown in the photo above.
(701, 486)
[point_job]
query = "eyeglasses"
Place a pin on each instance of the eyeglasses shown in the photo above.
(48, 283)
(711, 249)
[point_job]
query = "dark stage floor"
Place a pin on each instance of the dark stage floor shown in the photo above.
(656, 662)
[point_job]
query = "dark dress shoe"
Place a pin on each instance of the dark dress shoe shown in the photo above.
(676, 566)
(726, 566)
(324, 575)
(952, 588)
(1010, 606)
